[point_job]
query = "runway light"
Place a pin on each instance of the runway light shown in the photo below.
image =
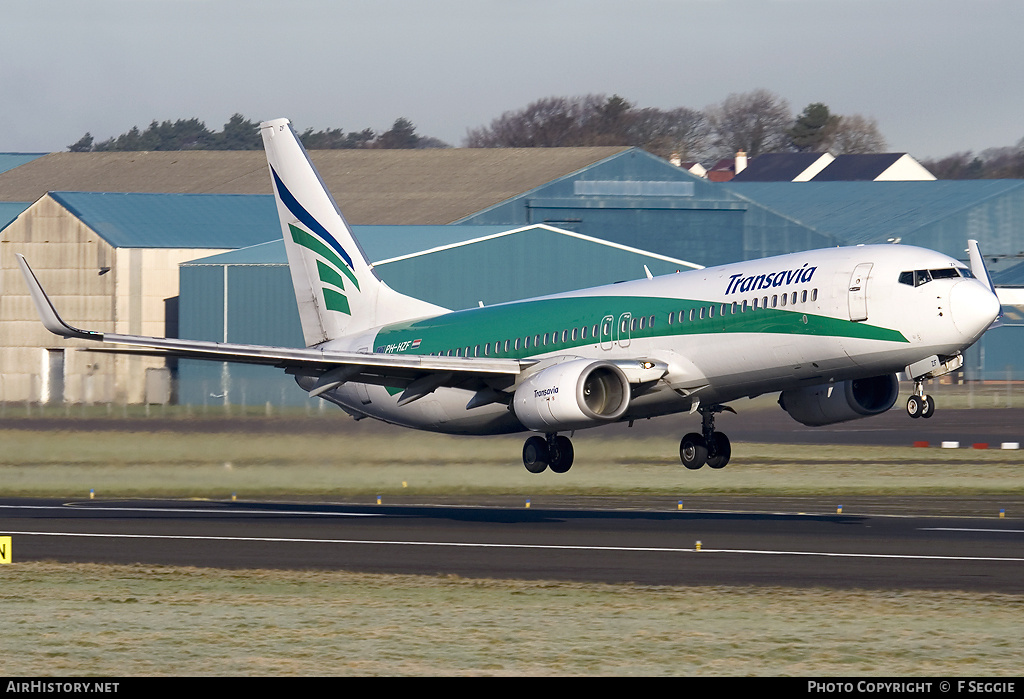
(697, 546)
(527, 504)
(839, 510)
(921, 444)
(1002, 514)
(378, 499)
(404, 484)
(951, 445)
(980, 445)
(233, 497)
(92, 493)
(680, 505)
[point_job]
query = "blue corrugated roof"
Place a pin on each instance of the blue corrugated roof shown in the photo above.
(9, 161)
(10, 210)
(175, 220)
(379, 243)
(872, 212)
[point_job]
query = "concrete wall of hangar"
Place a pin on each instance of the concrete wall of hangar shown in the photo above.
(641, 201)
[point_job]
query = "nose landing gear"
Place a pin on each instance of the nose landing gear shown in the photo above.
(920, 405)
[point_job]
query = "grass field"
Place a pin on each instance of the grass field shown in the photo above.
(84, 619)
(70, 463)
(134, 620)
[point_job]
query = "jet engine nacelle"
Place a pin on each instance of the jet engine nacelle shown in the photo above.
(849, 400)
(572, 395)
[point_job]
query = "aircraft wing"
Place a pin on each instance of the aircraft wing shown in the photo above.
(388, 369)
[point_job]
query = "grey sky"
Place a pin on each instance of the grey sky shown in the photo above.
(940, 76)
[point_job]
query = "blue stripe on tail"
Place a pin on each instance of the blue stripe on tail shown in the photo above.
(297, 210)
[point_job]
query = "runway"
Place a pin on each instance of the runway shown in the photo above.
(760, 545)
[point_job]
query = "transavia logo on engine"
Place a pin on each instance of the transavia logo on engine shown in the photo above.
(740, 284)
(545, 392)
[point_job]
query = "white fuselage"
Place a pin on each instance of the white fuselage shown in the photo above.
(725, 332)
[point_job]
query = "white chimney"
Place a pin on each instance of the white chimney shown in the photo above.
(741, 162)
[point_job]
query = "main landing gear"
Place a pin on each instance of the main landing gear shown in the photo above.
(710, 447)
(713, 448)
(920, 405)
(552, 450)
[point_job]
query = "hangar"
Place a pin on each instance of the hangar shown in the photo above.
(464, 226)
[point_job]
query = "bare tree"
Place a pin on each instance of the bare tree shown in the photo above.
(757, 122)
(550, 122)
(857, 134)
(681, 131)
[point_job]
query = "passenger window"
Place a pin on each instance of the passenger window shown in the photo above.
(643, 322)
(775, 301)
(650, 322)
(784, 299)
(803, 296)
(814, 294)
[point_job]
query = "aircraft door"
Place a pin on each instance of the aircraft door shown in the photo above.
(859, 291)
(607, 326)
(623, 328)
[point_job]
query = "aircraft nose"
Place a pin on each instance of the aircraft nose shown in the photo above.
(973, 308)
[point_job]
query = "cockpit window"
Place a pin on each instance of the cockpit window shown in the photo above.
(923, 276)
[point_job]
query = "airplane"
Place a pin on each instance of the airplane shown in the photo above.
(829, 330)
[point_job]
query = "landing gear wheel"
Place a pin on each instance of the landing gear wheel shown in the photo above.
(916, 406)
(693, 451)
(928, 409)
(535, 454)
(719, 451)
(561, 454)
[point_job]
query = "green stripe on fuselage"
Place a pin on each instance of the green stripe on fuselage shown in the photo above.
(494, 324)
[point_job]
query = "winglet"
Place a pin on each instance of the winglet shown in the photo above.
(980, 272)
(978, 268)
(47, 313)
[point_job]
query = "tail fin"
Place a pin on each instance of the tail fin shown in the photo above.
(337, 291)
